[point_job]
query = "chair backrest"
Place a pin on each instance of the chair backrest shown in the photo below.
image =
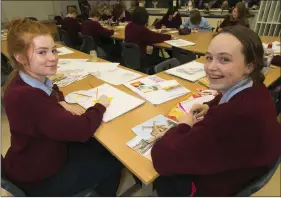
(131, 55)
(167, 64)
(88, 43)
(260, 182)
(64, 37)
(183, 56)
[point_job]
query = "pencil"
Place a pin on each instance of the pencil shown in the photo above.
(97, 93)
(83, 95)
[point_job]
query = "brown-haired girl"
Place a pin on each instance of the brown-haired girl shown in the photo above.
(52, 152)
(239, 138)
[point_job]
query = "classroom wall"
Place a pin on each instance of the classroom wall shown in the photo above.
(38, 9)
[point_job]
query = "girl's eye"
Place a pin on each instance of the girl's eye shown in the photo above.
(42, 52)
(55, 51)
(209, 58)
(224, 59)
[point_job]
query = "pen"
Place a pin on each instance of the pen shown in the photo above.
(97, 93)
(181, 107)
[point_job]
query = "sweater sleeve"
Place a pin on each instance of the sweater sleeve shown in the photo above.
(178, 21)
(185, 150)
(214, 102)
(159, 24)
(103, 31)
(149, 37)
(206, 26)
(52, 120)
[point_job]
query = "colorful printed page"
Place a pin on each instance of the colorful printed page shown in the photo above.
(121, 102)
(151, 88)
(191, 71)
(148, 132)
(185, 106)
(179, 42)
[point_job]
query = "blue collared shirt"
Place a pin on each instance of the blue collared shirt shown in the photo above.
(46, 87)
(203, 25)
(241, 85)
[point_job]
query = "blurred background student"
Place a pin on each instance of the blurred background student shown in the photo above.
(106, 15)
(120, 14)
(197, 22)
(172, 19)
(72, 26)
(237, 16)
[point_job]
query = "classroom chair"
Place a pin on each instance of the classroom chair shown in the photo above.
(15, 191)
(58, 20)
(131, 55)
(64, 37)
(259, 183)
(88, 44)
(167, 64)
(183, 56)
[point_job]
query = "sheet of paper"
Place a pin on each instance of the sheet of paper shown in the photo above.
(179, 42)
(275, 46)
(189, 103)
(148, 88)
(191, 71)
(148, 132)
(116, 76)
(64, 51)
(121, 102)
(65, 61)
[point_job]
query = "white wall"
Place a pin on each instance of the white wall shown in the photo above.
(39, 9)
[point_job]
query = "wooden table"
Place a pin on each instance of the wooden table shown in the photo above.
(115, 134)
(202, 40)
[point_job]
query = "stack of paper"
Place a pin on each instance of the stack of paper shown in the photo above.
(121, 102)
(179, 42)
(63, 51)
(147, 134)
(191, 71)
(275, 46)
(150, 89)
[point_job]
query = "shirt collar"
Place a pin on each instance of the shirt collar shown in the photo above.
(46, 87)
(241, 85)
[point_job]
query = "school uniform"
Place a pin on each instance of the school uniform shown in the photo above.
(72, 27)
(125, 16)
(237, 141)
(203, 25)
(105, 17)
(142, 36)
(174, 23)
(45, 157)
(230, 21)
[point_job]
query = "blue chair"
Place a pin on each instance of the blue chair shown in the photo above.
(167, 64)
(260, 182)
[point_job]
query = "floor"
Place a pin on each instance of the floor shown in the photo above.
(271, 189)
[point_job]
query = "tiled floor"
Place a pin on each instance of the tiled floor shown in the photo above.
(271, 189)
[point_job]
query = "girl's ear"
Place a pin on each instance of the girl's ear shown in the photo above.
(249, 68)
(20, 58)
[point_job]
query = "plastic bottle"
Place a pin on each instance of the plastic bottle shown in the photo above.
(268, 55)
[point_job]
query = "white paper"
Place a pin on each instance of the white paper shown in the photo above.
(63, 51)
(116, 76)
(121, 102)
(189, 103)
(275, 46)
(179, 42)
(148, 88)
(168, 83)
(191, 71)
(65, 61)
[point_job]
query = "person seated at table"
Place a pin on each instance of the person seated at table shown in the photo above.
(231, 146)
(197, 22)
(237, 16)
(52, 151)
(172, 19)
(72, 26)
(137, 32)
(101, 35)
(120, 14)
(106, 15)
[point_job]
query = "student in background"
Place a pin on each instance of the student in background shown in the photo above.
(172, 19)
(52, 151)
(137, 32)
(101, 35)
(238, 16)
(106, 15)
(120, 14)
(72, 26)
(231, 146)
(197, 22)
